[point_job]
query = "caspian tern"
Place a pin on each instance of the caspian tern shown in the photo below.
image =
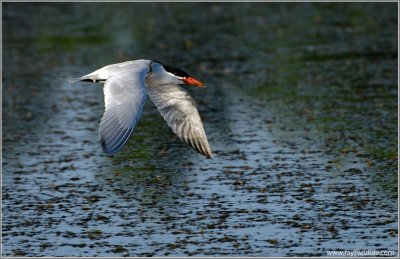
(126, 86)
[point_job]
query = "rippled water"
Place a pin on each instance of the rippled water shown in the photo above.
(300, 111)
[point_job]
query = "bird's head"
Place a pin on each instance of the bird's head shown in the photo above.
(177, 75)
(183, 76)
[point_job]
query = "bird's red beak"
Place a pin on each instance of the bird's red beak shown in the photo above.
(191, 81)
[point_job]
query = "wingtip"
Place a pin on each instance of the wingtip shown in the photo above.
(109, 152)
(207, 153)
(106, 149)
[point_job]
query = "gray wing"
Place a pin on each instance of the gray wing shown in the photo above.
(124, 97)
(179, 111)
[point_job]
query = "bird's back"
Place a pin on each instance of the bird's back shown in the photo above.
(102, 74)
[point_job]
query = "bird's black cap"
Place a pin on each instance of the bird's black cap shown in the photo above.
(173, 70)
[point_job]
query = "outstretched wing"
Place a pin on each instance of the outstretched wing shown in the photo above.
(124, 97)
(179, 110)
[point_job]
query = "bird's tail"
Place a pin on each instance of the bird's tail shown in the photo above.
(70, 80)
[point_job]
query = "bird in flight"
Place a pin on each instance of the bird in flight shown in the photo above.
(126, 86)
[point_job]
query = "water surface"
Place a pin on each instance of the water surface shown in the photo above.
(300, 111)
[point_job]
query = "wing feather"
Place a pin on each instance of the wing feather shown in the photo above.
(124, 97)
(179, 110)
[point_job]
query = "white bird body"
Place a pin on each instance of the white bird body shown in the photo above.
(126, 88)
